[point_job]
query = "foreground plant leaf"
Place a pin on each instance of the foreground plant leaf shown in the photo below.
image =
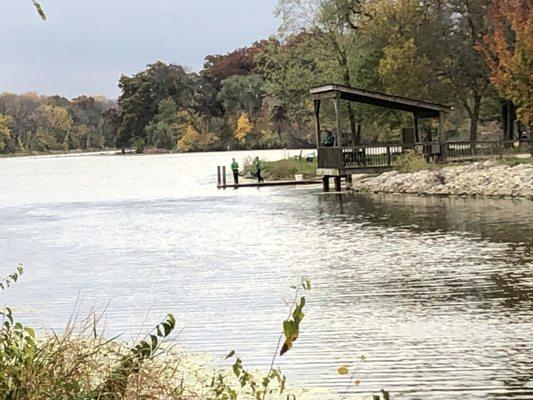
(39, 9)
(343, 370)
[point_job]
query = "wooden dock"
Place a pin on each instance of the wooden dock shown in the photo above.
(272, 183)
(223, 184)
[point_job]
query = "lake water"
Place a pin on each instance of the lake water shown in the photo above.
(435, 292)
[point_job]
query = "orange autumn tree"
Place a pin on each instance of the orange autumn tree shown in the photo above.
(508, 49)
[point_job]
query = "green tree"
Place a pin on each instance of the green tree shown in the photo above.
(428, 51)
(166, 126)
(142, 93)
(289, 68)
(336, 21)
(94, 113)
(21, 108)
(462, 25)
(242, 94)
(54, 124)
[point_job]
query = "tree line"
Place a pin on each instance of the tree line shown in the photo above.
(475, 55)
(33, 123)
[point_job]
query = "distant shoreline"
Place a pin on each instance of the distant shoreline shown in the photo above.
(58, 153)
(130, 152)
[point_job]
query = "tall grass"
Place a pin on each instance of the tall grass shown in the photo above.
(80, 363)
(283, 169)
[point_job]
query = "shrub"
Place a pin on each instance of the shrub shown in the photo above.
(411, 161)
(139, 146)
(283, 169)
(87, 366)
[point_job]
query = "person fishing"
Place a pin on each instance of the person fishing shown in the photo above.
(258, 167)
(235, 169)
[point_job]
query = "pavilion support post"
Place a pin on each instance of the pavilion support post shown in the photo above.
(317, 122)
(325, 183)
(417, 131)
(336, 103)
(338, 186)
(442, 138)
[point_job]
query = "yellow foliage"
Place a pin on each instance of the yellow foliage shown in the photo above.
(190, 139)
(54, 117)
(5, 129)
(244, 127)
(5, 126)
(403, 70)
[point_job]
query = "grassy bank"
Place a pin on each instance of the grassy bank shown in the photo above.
(283, 169)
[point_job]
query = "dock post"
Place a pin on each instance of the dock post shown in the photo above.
(219, 177)
(224, 176)
(338, 187)
(325, 183)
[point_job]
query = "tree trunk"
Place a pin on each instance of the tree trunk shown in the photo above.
(351, 115)
(473, 113)
(474, 119)
(508, 119)
(346, 78)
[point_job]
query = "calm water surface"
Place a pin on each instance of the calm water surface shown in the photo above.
(436, 293)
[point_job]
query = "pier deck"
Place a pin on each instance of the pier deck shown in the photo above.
(268, 184)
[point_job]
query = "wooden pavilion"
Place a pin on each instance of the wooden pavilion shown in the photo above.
(342, 160)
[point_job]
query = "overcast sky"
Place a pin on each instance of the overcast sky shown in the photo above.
(84, 46)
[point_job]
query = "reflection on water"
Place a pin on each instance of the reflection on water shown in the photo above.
(435, 292)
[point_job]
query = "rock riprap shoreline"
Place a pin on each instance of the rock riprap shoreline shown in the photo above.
(487, 178)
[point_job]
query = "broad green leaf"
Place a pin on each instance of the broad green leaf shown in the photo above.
(167, 329)
(290, 329)
(155, 342)
(171, 321)
(230, 354)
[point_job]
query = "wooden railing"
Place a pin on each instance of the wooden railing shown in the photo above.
(371, 156)
(330, 157)
(385, 155)
(457, 151)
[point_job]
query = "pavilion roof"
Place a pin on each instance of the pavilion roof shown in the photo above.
(421, 109)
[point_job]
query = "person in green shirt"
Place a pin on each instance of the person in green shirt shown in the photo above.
(258, 167)
(329, 141)
(235, 169)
